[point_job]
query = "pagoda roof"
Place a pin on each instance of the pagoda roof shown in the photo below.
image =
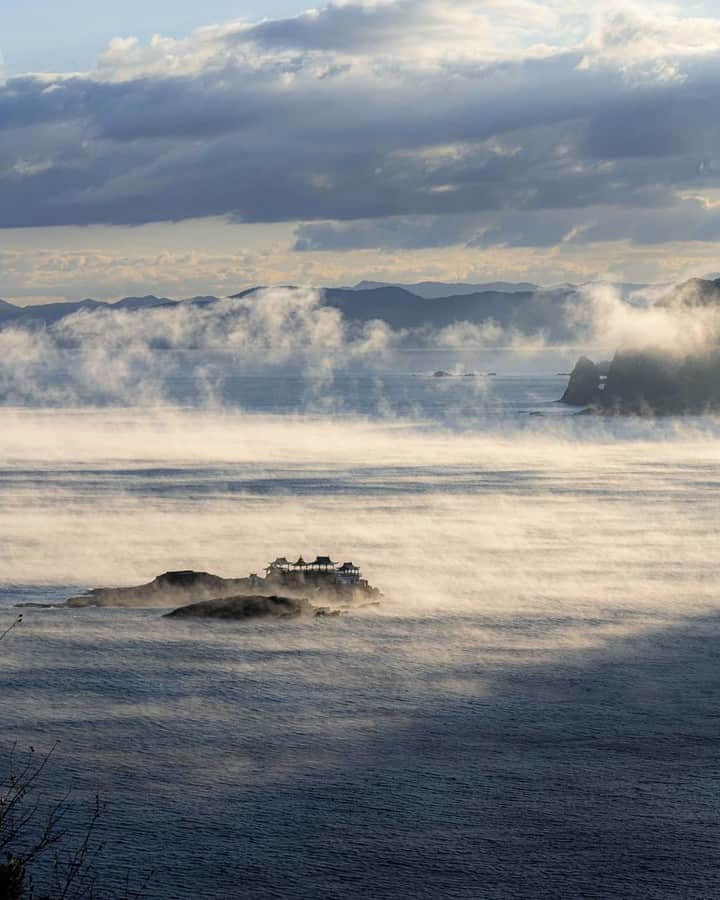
(301, 562)
(323, 561)
(348, 565)
(280, 561)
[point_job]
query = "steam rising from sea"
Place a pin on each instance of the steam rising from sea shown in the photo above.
(574, 516)
(120, 357)
(185, 353)
(529, 704)
(448, 511)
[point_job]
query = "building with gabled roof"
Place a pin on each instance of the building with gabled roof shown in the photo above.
(279, 565)
(323, 563)
(321, 571)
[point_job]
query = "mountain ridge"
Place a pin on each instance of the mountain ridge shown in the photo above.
(434, 290)
(527, 311)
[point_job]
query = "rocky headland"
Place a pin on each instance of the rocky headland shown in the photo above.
(678, 374)
(647, 382)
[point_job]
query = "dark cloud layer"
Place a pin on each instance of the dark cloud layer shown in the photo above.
(330, 119)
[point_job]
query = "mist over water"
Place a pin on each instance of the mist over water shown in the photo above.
(528, 703)
(561, 514)
(207, 354)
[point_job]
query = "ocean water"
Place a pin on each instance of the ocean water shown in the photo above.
(532, 712)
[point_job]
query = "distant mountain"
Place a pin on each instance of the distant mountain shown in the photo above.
(44, 313)
(8, 311)
(50, 313)
(398, 307)
(526, 311)
(529, 311)
(149, 302)
(434, 290)
(201, 301)
(694, 292)
(401, 308)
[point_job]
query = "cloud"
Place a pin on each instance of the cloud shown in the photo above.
(393, 233)
(429, 122)
(346, 27)
(47, 275)
(649, 40)
(693, 217)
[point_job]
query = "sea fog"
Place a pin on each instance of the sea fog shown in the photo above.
(552, 512)
(200, 353)
(527, 713)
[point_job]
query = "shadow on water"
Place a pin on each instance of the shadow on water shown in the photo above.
(594, 775)
(592, 778)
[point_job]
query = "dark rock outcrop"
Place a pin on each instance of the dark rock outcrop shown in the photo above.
(584, 386)
(243, 607)
(655, 383)
(648, 382)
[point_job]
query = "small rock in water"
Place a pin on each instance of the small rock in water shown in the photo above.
(246, 607)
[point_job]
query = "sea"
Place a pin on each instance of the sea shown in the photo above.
(533, 711)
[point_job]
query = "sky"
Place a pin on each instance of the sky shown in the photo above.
(181, 149)
(74, 33)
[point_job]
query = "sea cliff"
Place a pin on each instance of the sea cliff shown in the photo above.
(647, 382)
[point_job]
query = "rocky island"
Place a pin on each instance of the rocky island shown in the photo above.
(321, 587)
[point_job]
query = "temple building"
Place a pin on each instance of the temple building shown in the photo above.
(278, 566)
(322, 564)
(348, 574)
(321, 569)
